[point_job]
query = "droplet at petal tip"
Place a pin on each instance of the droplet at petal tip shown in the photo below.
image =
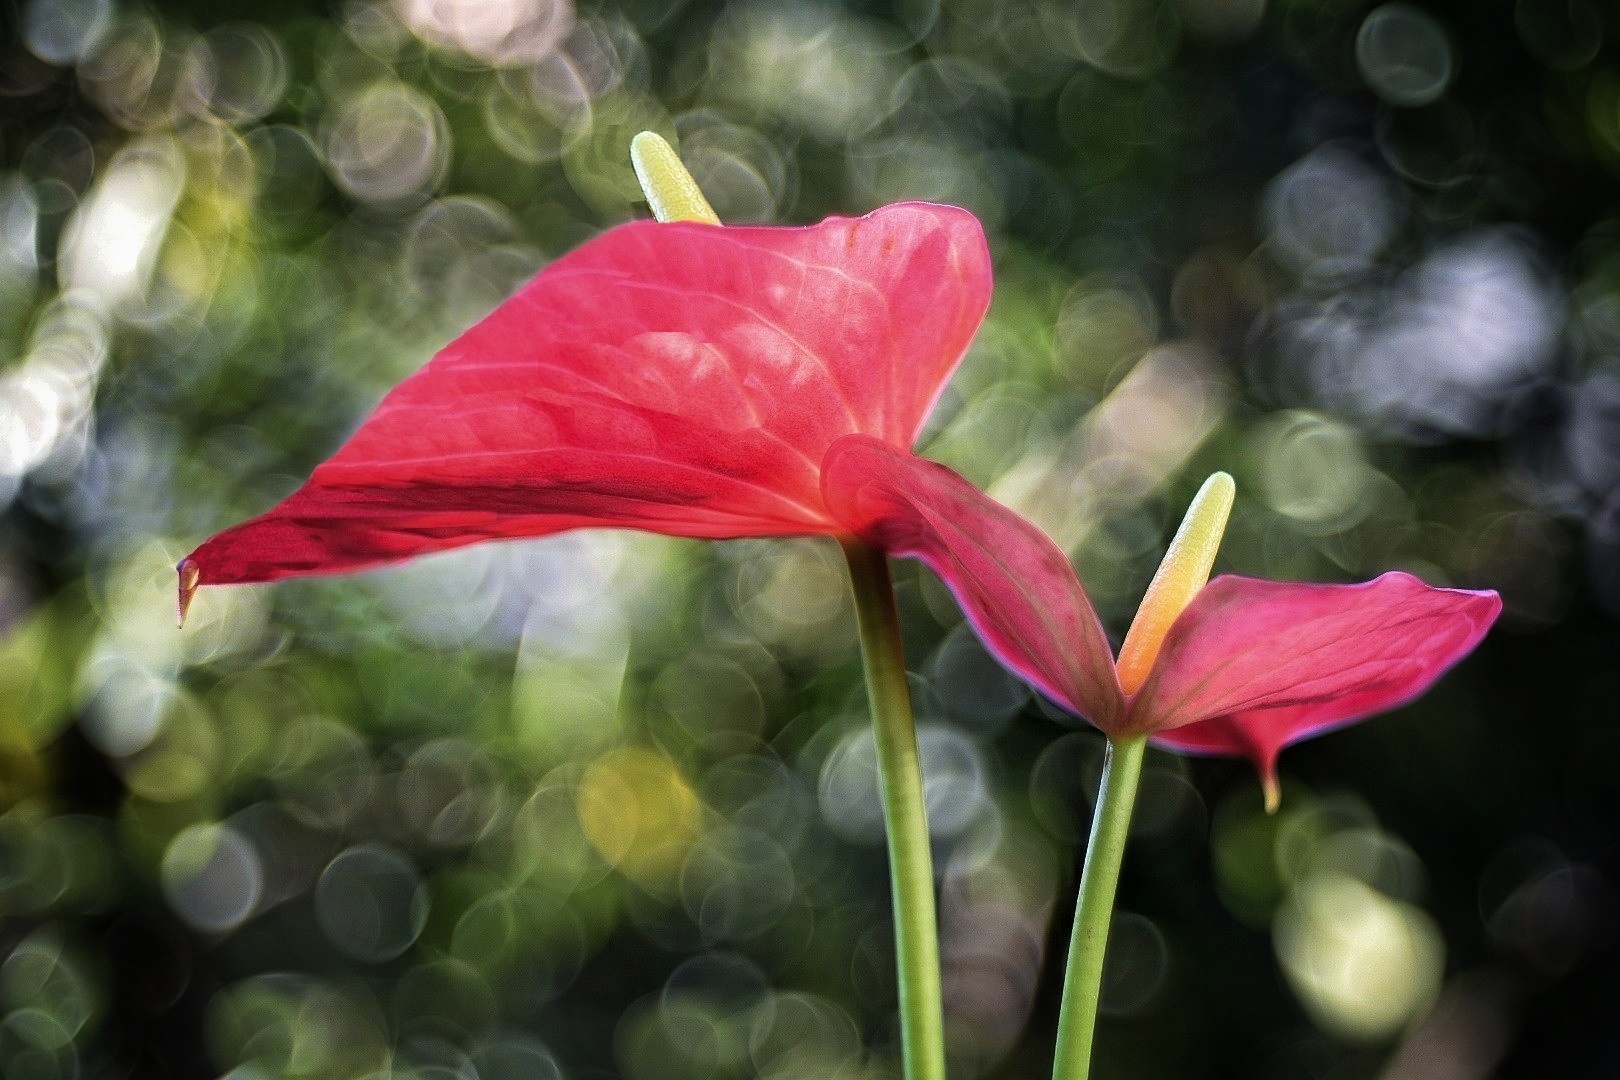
(1273, 790)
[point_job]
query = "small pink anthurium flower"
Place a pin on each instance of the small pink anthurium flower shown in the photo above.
(680, 377)
(1239, 666)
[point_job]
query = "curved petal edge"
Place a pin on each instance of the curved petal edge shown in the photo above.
(1253, 666)
(1014, 584)
(681, 378)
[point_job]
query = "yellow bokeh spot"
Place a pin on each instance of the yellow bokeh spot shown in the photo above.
(640, 814)
(1362, 964)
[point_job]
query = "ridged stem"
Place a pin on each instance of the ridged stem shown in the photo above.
(911, 864)
(1088, 946)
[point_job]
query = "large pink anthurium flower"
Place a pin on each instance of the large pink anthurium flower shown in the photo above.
(1245, 669)
(682, 378)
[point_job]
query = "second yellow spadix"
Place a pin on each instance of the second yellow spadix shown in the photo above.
(1183, 572)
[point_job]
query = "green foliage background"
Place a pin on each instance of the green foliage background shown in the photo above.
(601, 805)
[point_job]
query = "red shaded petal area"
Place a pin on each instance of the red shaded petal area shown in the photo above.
(1259, 735)
(1016, 587)
(681, 378)
(1252, 665)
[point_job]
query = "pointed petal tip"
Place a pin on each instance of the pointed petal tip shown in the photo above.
(190, 575)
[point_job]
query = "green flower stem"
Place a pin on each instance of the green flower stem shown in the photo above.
(1082, 982)
(905, 817)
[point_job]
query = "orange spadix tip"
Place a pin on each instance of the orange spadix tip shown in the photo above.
(1183, 572)
(1273, 791)
(190, 577)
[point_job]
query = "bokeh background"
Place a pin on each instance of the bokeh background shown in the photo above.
(603, 805)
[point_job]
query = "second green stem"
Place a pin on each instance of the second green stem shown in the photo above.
(1082, 980)
(905, 817)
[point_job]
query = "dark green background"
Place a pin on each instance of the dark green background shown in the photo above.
(594, 806)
